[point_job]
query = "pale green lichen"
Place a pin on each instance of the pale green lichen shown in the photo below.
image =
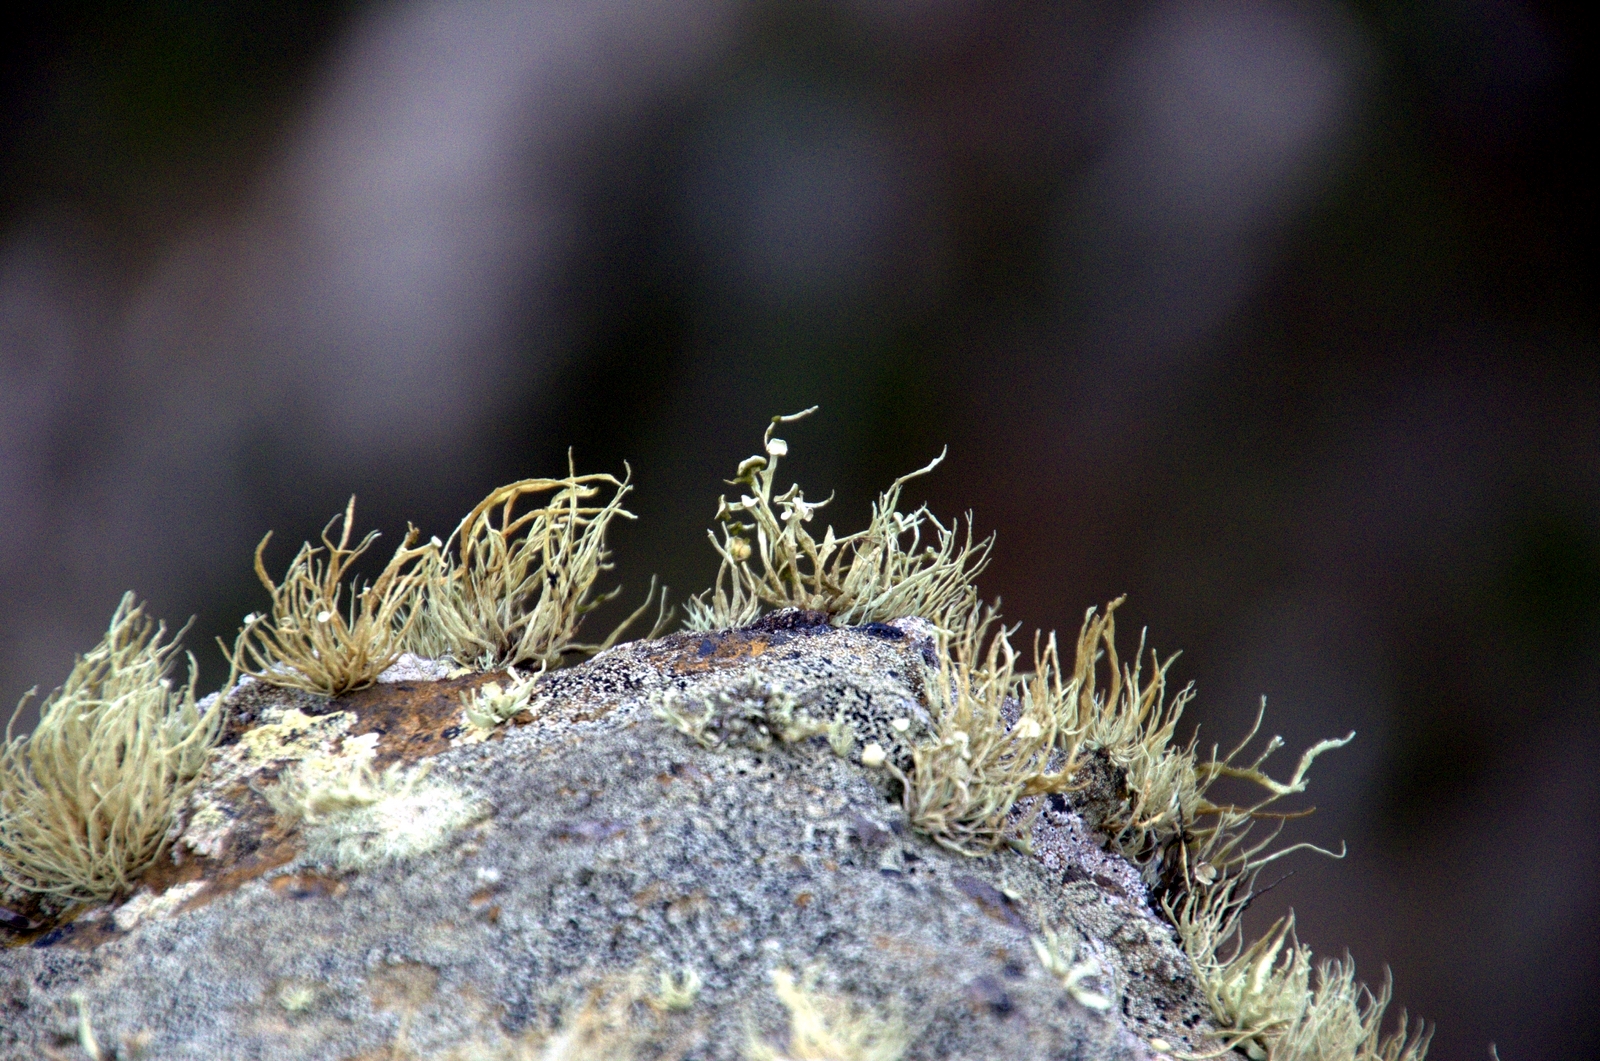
(1201, 864)
(617, 1019)
(310, 638)
(296, 997)
(511, 586)
(887, 571)
(491, 704)
(514, 581)
(1162, 821)
(354, 818)
(1076, 974)
(749, 711)
(823, 1027)
(280, 736)
(1263, 998)
(89, 799)
(965, 782)
(676, 994)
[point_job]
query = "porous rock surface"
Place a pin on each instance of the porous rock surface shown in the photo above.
(607, 848)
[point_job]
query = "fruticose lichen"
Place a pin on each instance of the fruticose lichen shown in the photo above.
(1001, 738)
(965, 782)
(88, 800)
(513, 582)
(306, 641)
(511, 586)
(490, 704)
(823, 1027)
(771, 560)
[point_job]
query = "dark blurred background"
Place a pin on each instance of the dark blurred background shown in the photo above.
(1278, 317)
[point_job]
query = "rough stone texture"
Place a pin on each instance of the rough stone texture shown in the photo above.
(610, 846)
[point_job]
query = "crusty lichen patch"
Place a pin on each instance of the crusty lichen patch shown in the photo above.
(282, 735)
(353, 818)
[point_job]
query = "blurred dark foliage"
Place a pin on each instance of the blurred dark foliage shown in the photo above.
(1280, 319)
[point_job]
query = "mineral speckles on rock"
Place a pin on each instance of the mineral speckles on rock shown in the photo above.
(619, 851)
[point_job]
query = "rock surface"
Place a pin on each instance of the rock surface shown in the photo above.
(593, 848)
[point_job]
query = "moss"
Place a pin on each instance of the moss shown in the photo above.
(89, 799)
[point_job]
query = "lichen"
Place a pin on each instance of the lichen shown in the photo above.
(490, 704)
(1076, 974)
(750, 711)
(514, 581)
(770, 558)
(306, 640)
(823, 1027)
(354, 818)
(89, 799)
(966, 781)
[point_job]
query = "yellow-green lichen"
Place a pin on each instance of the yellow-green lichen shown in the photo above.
(89, 799)
(902, 564)
(353, 817)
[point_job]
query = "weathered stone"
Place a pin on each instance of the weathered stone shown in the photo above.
(609, 848)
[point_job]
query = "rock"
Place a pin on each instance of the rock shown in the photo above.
(607, 885)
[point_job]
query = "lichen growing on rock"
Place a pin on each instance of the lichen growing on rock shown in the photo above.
(771, 560)
(841, 765)
(87, 800)
(306, 639)
(514, 581)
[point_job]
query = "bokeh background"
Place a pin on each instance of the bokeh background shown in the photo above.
(1278, 317)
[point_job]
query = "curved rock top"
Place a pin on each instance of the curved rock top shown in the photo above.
(591, 881)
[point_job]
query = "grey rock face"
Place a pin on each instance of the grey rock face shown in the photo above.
(601, 849)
